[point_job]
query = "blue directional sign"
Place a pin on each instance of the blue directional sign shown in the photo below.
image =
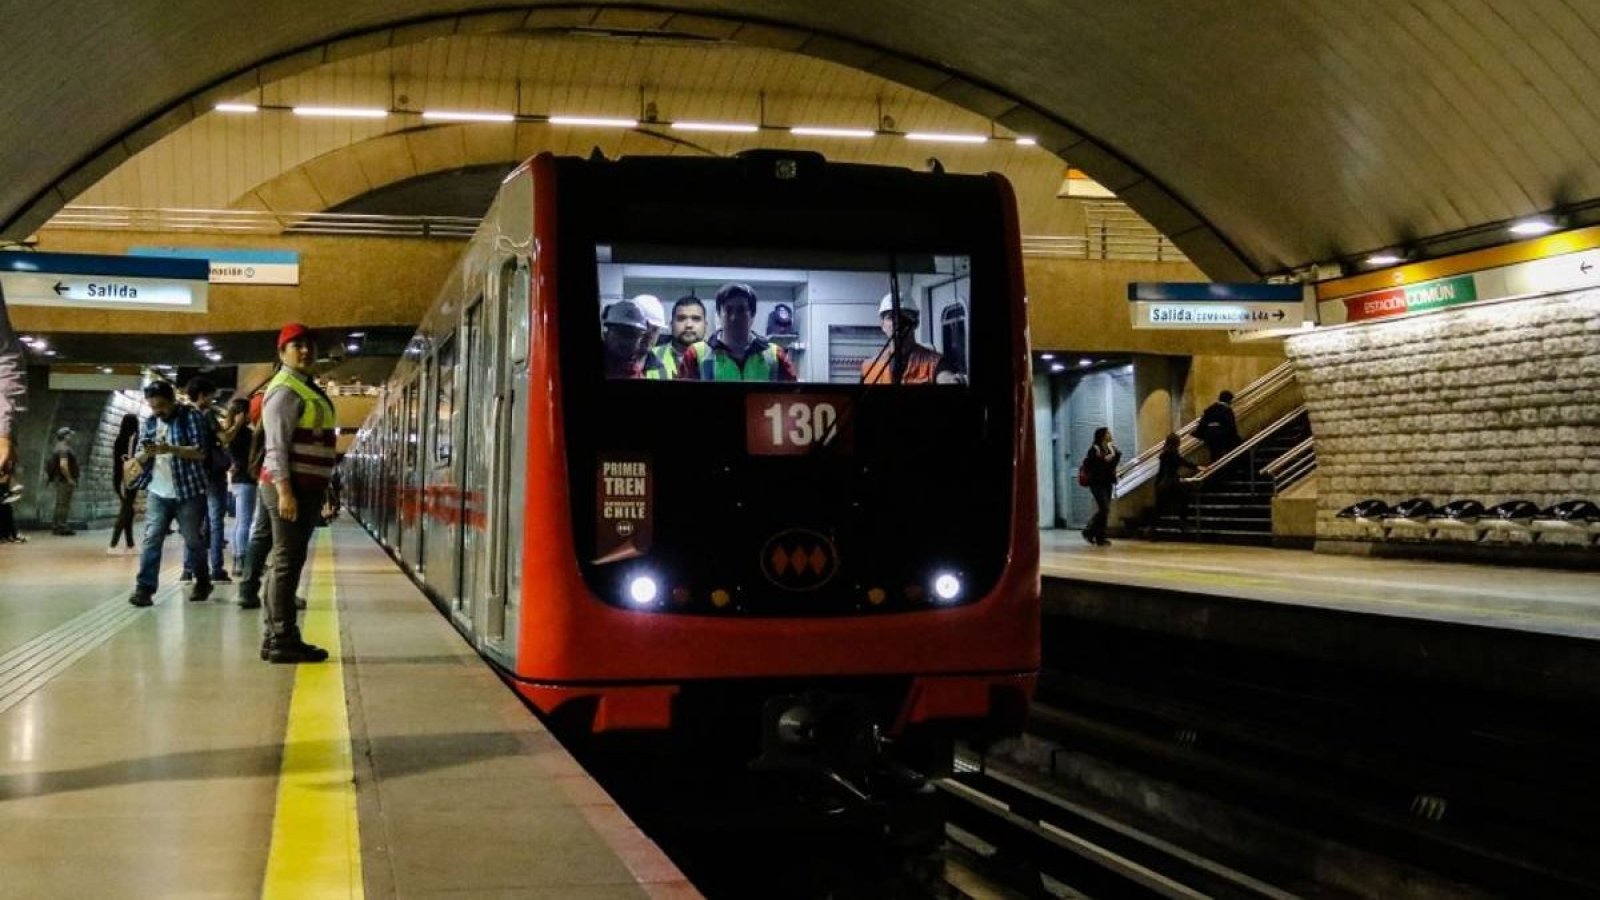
(90, 281)
(1233, 292)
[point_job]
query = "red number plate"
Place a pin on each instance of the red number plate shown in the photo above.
(792, 424)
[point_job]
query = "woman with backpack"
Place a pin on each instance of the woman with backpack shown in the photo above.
(1099, 474)
(126, 444)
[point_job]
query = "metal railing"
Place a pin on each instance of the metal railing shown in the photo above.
(1105, 238)
(1292, 466)
(1254, 395)
(259, 221)
(1246, 449)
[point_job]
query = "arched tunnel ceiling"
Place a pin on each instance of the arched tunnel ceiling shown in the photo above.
(1261, 135)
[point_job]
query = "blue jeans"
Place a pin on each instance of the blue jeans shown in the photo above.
(160, 512)
(216, 506)
(244, 514)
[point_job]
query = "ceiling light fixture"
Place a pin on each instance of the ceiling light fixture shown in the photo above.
(1384, 259)
(1534, 226)
(236, 107)
(935, 136)
(1028, 142)
(441, 115)
(594, 121)
(1085, 362)
(729, 127)
(813, 131)
(340, 112)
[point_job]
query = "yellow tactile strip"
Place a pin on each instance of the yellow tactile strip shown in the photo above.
(316, 837)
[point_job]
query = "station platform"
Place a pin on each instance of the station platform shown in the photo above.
(151, 753)
(1543, 601)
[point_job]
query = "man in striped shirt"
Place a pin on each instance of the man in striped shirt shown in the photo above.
(171, 470)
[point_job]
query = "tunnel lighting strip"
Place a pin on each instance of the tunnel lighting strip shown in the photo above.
(447, 116)
(623, 122)
(340, 112)
(728, 127)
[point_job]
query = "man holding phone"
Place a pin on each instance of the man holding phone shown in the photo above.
(170, 467)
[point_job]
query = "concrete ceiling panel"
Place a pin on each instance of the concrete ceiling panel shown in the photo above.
(386, 160)
(338, 176)
(491, 22)
(980, 100)
(292, 191)
(437, 148)
(702, 26)
(845, 53)
(631, 19)
(360, 45)
(85, 176)
(1160, 208)
(1291, 128)
(138, 140)
(488, 143)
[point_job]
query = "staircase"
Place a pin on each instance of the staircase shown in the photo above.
(1232, 503)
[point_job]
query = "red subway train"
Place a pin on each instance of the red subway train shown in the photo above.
(809, 546)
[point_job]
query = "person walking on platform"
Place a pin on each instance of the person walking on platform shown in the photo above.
(13, 386)
(170, 467)
(1170, 489)
(121, 451)
(1218, 428)
(297, 422)
(1100, 470)
(8, 520)
(61, 471)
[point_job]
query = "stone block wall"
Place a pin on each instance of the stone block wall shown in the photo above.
(1492, 403)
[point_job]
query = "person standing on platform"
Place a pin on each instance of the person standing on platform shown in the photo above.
(297, 421)
(121, 451)
(13, 386)
(1218, 428)
(170, 467)
(202, 393)
(8, 520)
(236, 437)
(62, 472)
(1100, 467)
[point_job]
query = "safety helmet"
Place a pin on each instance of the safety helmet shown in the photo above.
(907, 308)
(655, 315)
(625, 313)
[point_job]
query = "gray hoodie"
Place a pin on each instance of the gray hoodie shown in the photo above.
(13, 389)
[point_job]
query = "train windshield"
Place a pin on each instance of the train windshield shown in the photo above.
(820, 317)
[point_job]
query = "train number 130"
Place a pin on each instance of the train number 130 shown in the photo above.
(790, 424)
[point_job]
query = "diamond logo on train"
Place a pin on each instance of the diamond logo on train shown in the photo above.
(798, 559)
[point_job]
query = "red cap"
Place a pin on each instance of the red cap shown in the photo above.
(294, 330)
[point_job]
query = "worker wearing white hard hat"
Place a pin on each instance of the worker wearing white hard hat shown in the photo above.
(902, 360)
(626, 326)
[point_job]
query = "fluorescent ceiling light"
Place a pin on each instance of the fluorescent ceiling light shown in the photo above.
(594, 121)
(447, 116)
(1085, 362)
(214, 357)
(809, 131)
(1531, 227)
(946, 138)
(340, 112)
(1047, 356)
(731, 127)
(235, 107)
(1028, 141)
(202, 342)
(1384, 259)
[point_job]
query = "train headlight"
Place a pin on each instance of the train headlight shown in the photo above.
(642, 590)
(946, 586)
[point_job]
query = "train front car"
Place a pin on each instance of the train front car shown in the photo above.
(824, 549)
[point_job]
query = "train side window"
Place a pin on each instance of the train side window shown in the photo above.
(444, 408)
(514, 286)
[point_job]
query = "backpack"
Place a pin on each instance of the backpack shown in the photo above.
(1083, 472)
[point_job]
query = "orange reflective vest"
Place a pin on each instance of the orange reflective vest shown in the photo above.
(921, 367)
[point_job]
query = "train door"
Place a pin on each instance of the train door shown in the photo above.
(477, 444)
(441, 492)
(393, 469)
(508, 463)
(411, 491)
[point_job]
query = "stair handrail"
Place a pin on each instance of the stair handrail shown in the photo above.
(1292, 465)
(1218, 465)
(1144, 466)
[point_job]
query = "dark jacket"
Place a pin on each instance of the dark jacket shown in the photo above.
(1101, 464)
(1171, 469)
(1218, 428)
